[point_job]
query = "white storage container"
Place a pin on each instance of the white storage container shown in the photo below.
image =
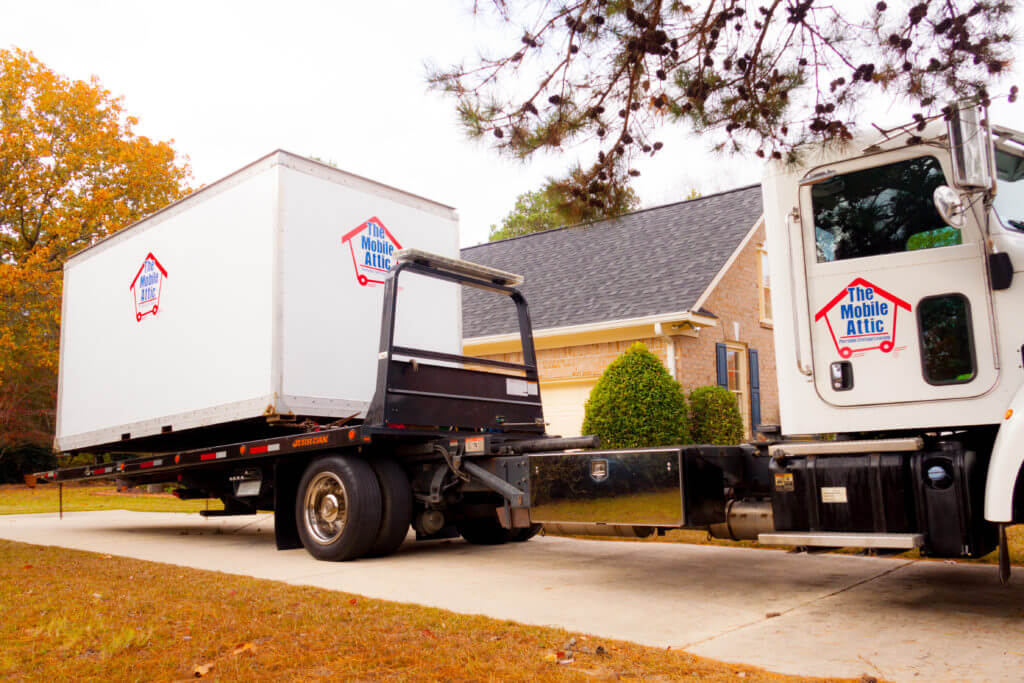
(258, 295)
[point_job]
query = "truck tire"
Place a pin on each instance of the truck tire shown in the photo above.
(521, 535)
(338, 508)
(484, 531)
(396, 495)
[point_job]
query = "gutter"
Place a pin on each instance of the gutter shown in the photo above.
(683, 323)
(696, 319)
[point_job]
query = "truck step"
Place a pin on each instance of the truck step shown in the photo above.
(837, 539)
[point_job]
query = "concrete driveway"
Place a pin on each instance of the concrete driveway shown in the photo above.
(821, 614)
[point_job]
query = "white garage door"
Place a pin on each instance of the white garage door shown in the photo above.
(563, 406)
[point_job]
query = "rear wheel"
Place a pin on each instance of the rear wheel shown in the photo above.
(396, 495)
(338, 508)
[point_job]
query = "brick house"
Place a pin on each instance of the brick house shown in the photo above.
(689, 280)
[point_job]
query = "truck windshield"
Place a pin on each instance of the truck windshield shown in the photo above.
(1009, 202)
(881, 210)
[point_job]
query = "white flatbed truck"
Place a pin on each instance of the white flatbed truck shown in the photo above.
(897, 334)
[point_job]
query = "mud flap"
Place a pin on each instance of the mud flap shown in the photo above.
(1004, 556)
(286, 484)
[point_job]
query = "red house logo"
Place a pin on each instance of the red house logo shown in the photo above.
(862, 317)
(146, 287)
(373, 249)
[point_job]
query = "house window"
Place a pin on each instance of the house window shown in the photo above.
(764, 285)
(736, 372)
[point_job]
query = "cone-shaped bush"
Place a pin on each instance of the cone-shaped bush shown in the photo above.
(636, 403)
(715, 416)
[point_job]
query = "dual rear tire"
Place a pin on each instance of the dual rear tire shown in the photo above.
(347, 508)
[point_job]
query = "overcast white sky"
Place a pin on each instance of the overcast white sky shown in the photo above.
(231, 81)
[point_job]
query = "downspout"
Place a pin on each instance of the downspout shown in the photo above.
(670, 349)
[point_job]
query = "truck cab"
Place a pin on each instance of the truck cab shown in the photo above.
(896, 266)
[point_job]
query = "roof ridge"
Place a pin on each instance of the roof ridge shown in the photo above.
(605, 220)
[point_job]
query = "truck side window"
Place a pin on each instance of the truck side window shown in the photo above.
(1009, 201)
(947, 348)
(880, 210)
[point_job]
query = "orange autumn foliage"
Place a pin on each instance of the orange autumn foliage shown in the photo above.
(72, 171)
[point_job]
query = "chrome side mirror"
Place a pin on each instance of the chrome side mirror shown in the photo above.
(970, 144)
(950, 206)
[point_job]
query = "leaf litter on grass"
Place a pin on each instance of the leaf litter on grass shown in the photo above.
(167, 621)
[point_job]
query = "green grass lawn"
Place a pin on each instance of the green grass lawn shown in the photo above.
(72, 615)
(18, 499)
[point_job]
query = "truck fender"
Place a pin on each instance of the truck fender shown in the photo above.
(1005, 464)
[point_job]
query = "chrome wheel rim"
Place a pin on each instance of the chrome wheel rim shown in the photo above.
(326, 508)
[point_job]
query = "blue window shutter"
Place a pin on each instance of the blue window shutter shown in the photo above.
(722, 363)
(755, 391)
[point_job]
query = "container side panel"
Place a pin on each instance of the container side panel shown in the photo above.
(339, 242)
(171, 320)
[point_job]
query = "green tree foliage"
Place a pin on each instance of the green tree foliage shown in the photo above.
(72, 171)
(636, 403)
(533, 212)
(715, 416)
(759, 77)
(543, 210)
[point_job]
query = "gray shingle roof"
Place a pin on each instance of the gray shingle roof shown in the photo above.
(658, 260)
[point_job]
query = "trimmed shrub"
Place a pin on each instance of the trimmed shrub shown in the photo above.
(636, 404)
(715, 416)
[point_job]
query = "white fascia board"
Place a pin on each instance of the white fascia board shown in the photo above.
(569, 330)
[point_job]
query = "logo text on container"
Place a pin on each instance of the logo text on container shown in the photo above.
(373, 248)
(147, 286)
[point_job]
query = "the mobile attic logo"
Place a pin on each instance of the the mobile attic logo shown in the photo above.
(862, 317)
(146, 287)
(373, 250)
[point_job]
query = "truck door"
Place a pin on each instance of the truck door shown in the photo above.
(899, 304)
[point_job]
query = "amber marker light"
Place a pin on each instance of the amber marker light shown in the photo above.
(351, 434)
(1009, 413)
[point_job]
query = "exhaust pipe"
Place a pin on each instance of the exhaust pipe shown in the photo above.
(553, 443)
(745, 520)
(587, 529)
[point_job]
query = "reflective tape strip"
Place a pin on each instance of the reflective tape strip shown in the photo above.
(256, 450)
(219, 455)
(274, 447)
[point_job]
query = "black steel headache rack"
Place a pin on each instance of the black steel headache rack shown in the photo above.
(445, 396)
